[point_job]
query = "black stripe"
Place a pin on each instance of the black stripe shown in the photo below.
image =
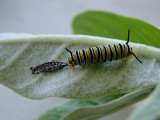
(84, 56)
(118, 56)
(98, 54)
(91, 55)
(115, 47)
(87, 59)
(111, 52)
(73, 58)
(120, 46)
(128, 49)
(105, 56)
(124, 51)
(101, 56)
(78, 57)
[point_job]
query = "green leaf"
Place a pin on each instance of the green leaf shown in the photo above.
(106, 24)
(150, 110)
(19, 52)
(95, 108)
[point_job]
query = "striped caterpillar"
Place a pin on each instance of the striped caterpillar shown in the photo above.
(88, 56)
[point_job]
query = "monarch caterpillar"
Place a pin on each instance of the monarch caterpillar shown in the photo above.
(90, 55)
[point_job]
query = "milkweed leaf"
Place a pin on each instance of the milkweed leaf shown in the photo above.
(94, 108)
(17, 55)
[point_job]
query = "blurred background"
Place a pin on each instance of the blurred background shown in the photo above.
(55, 17)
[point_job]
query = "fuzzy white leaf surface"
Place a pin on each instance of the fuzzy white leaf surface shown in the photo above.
(18, 52)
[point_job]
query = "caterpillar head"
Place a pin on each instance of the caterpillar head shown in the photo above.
(130, 56)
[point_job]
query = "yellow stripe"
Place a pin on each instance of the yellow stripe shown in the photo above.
(108, 53)
(69, 59)
(96, 54)
(88, 56)
(103, 54)
(82, 58)
(113, 56)
(125, 50)
(75, 58)
(119, 51)
(70, 64)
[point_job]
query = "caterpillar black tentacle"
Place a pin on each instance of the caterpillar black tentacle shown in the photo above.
(90, 55)
(68, 50)
(136, 57)
(128, 36)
